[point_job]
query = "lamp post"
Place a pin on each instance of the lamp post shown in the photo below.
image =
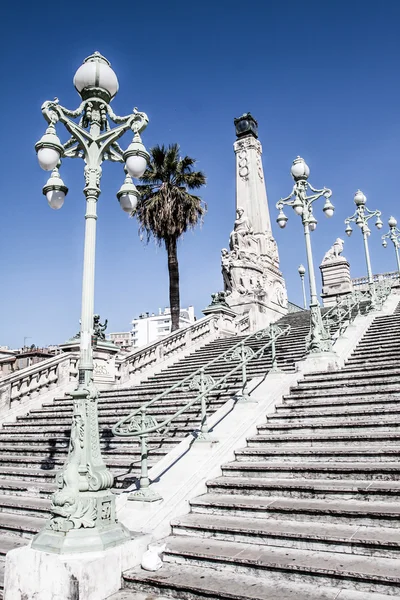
(394, 236)
(361, 217)
(302, 272)
(318, 339)
(83, 509)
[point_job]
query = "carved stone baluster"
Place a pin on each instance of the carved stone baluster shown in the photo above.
(34, 385)
(24, 389)
(53, 378)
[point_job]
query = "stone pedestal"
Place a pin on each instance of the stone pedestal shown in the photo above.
(33, 574)
(252, 280)
(336, 280)
(104, 354)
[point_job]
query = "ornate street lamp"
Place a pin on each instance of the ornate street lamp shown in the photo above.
(394, 236)
(83, 510)
(302, 271)
(361, 217)
(318, 339)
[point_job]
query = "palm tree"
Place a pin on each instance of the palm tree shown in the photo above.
(166, 208)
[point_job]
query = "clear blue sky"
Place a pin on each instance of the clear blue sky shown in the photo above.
(322, 78)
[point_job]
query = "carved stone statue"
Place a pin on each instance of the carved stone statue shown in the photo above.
(99, 328)
(242, 234)
(334, 252)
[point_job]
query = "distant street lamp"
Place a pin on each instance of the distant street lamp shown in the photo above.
(83, 510)
(302, 272)
(318, 339)
(394, 236)
(361, 217)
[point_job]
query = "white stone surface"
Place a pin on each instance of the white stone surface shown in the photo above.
(34, 575)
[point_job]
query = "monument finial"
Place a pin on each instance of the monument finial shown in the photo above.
(246, 125)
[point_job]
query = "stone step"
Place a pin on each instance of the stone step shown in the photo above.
(335, 391)
(30, 505)
(377, 400)
(353, 413)
(9, 542)
(275, 564)
(360, 470)
(197, 583)
(373, 438)
(22, 487)
(339, 511)
(330, 489)
(25, 526)
(330, 453)
(308, 535)
(363, 379)
(362, 426)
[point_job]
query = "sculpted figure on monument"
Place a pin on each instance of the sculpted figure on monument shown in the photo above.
(334, 252)
(242, 235)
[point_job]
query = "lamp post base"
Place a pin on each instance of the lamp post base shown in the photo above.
(96, 530)
(318, 340)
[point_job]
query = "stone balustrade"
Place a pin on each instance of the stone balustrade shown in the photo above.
(362, 282)
(21, 388)
(30, 387)
(143, 362)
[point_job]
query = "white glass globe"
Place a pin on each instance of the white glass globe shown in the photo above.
(128, 202)
(48, 158)
(392, 222)
(300, 169)
(136, 165)
(55, 198)
(329, 212)
(96, 73)
(313, 225)
(359, 198)
(298, 208)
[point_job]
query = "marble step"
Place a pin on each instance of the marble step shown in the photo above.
(376, 400)
(30, 505)
(329, 453)
(362, 426)
(308, 535)
(188, 582)
(368, 470)
(337, 510)
(353, 413)
(330, 489)
(373, 438)
(360, 573)
(336, 390)
(22, 525)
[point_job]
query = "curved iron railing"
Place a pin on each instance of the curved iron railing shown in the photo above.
(140, 424)
(346, 309)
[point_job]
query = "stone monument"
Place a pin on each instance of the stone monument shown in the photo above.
(250, 267)
(335, 273)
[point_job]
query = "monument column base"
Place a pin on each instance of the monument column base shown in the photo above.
(260, 313)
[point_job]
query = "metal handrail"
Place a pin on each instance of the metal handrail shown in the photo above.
(141, 426)
(343, 313)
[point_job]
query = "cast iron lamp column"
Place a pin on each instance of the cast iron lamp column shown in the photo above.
(83, 510)
(394, 236)
(318, 339)
(302, 271)
(361, 217)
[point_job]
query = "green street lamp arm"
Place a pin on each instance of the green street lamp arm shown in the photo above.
(363, 214)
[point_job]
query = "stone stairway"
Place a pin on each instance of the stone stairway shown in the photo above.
(35, 446)
(310, 508)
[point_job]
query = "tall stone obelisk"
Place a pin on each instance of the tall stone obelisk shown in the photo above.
(252, 279)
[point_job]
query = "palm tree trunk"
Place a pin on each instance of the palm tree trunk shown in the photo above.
(173, 270)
